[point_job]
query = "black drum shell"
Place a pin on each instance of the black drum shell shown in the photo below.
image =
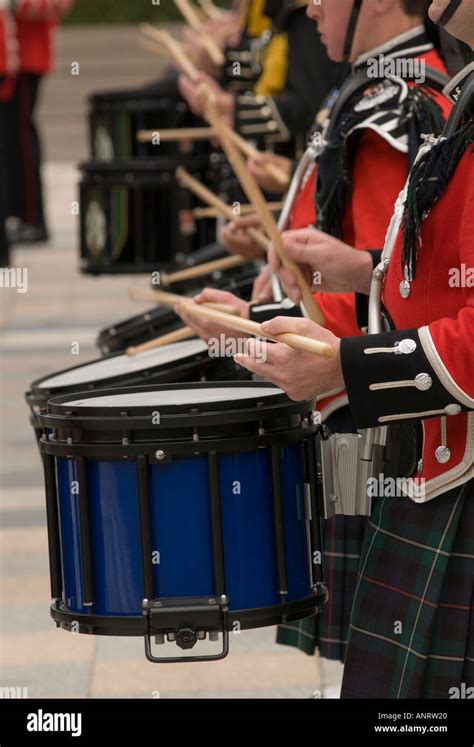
(115, 118)
(135, 215)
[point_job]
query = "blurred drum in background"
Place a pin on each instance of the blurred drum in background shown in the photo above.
(116, 118)
(135, 215)
(158, 321)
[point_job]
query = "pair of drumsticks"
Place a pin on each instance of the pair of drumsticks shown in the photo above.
(221, 314)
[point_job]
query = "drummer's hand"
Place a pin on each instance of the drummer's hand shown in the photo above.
(189, 91)
(329, 265)
(236, 239)
(300, 374)
(224, 29)
(198, 53)
(262, 290)
(256, 165)
(205, 328)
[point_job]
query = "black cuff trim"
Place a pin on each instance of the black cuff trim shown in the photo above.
(362, 369)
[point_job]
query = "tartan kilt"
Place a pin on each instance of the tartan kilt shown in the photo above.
(412, 626)
(342, 540)
(327, 631)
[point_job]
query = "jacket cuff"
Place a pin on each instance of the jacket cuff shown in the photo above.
(258, 116)
(264, 312)
(390, 378)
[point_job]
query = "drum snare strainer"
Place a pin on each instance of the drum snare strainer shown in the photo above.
(181, 512)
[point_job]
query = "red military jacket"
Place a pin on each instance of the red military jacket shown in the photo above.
(36, 20)
(424, 369)
(8, 54)
(380, 170)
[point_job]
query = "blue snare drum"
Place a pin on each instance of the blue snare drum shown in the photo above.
(181, 511)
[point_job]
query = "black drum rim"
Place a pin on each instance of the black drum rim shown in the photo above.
(135, 625)
(59, 412)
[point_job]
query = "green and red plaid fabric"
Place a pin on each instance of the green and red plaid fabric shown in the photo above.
(412, 626)
(343, 538)
(327, 632)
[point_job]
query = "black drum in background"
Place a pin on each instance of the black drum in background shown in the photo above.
(135, 215)
(115, 118)
(231, 279)
(160, 321)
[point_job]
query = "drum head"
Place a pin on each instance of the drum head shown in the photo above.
(208, 398)
(102, 372)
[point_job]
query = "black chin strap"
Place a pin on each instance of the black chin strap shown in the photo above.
(351, 29)
(449, 12)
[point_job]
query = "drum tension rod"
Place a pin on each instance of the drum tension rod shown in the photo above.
(315, 526)
(85, 533)
(52, 518)
(185, 620)
(279, 525)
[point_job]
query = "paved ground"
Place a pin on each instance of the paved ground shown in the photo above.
(37, 329)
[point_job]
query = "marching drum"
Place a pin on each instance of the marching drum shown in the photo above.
(237, 279)
(180, 513)
(116, 117)
(134, 215)
(181, 361)
(159, 321)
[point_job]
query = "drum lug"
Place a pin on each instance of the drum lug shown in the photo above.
(185, 621)
(160, 457)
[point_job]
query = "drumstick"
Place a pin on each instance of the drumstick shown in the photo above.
(170, 299)
(254, 194)
(205, 268)
(209, 212)
(189, 13)
(207, 196)
(179, 335)
(192, 72)
(209, 8)
(171, 135)
(152, 46)
(250, 151)
(298, 342)
(174, 47)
